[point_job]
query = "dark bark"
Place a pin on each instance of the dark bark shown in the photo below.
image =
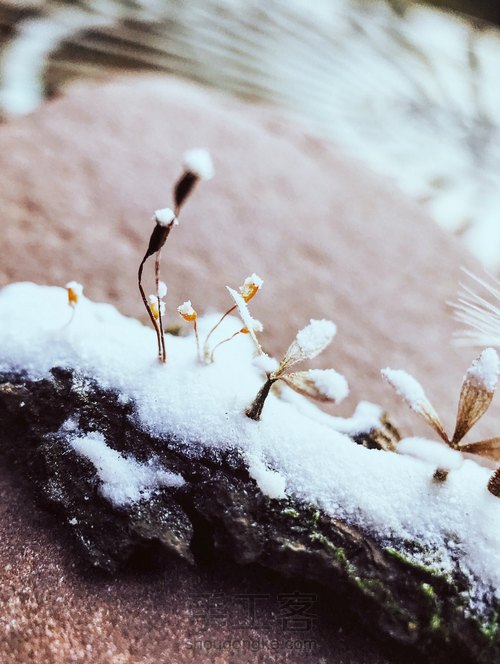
(221, 512)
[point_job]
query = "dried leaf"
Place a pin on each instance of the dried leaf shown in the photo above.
(410, 390)
(319, 384)
(488, 448)
(309, 342)
(478, 388)
(494, 483)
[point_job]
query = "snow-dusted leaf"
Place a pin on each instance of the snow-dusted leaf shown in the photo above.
(410, 390)
(310, 342)
(251, 324)
(494, 483)
(487, 448)
(478, 388)
(319, 384)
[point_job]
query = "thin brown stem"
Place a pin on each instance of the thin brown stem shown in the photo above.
(224, 341)
(146, 304)
(198, 350)
(163, 350)
(205, 345)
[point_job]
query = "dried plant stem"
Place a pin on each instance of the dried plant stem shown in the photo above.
(163, 350)
(206, 352)
(146, 304)
(198, 349)
(254, 412)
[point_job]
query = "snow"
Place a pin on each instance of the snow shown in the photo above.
(153, 305)
(265, 363)
(199, 162)
(270, 482)
(165, 216)
(123, 479)
(484, 370)
(436, 453)
(330, 383)
(392, 496)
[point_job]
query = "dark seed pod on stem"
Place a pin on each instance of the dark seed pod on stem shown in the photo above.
(494, 483)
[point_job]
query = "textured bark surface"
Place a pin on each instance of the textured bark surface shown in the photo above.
(221, 512)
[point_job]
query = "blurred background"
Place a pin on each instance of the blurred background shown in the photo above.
(411, 89)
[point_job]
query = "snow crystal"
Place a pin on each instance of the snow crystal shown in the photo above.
(330, 383)
(165, 217)
(314, 338)
(199, 162)
(484, 370)
(123, 479)
(389, 495)
(265, 363)
(433, 452)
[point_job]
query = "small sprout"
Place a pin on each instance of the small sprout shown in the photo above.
(251, 287)
(478, 387)
(75, 291)
(197, 165)
(319, 384)
(186, 311)
(248, 290)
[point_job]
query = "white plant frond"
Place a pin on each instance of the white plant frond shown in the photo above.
(479, 312)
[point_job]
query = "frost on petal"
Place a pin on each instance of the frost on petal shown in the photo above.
(410, 390)
(251, 286)
(153, 305)
(162, 289)
(199, 162)
(319, 384)
(310, 341)
(186, 311)
(251, 325)
(433, 452)
(477, 391)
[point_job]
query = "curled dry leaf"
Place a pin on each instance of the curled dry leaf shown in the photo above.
(488, 448)
(309, 342)
(478, 388)
(319, 384)
(494, 483)
(410, 390)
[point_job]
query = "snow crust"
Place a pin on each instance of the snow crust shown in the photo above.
(315, 337)
(407, 387)
(165, 216)
(434, 452)
(390, 495)
(123, 479)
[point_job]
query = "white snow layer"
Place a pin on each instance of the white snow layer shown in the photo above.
(391, 495)
(484, 370)
(123, 479)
